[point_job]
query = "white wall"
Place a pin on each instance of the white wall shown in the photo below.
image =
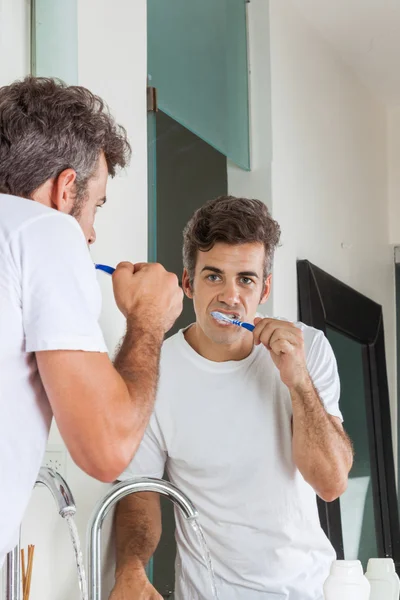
(329, 172)
(14, 40)
(394, 174)
(112, 63)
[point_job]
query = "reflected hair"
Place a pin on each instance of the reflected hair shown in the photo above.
(231, 221)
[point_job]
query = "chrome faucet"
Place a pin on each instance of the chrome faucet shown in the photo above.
(59, 489)
(66, 506)
(115, 494)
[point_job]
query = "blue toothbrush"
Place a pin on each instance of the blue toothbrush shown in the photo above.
(105, 268)
(218, 316)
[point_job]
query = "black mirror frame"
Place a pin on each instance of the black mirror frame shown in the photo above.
(325, 301)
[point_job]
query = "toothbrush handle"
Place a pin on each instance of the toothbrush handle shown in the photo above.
(105, 268)
(247, 326)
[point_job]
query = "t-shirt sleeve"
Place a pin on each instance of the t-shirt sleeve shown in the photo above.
(151, 456)
(322, 367)
(60, 295)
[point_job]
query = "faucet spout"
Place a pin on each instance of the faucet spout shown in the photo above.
(115, 494)
(59, 489)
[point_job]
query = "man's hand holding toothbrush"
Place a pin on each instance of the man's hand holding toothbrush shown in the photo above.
(149, 294)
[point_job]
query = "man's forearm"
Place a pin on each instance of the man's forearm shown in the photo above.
(322, 451)
(138, 531)
(137, 361)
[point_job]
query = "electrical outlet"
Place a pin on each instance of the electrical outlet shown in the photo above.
(56, 458)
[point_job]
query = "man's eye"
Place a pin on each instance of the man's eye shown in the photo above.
(246, 280)
(213, 277)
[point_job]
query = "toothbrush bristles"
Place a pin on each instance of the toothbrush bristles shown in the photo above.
(221, 317)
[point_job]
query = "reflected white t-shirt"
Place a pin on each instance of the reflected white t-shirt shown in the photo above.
(223, 431)
(49, 300)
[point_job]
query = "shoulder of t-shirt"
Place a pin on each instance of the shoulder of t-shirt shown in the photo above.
(17, 214)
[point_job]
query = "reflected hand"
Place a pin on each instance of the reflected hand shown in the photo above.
(286, 345)
(134, 585)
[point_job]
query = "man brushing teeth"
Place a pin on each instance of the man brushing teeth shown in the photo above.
(247, 424)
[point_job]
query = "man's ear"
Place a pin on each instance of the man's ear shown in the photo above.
(63, 192)
(186, 285)
(267, 290)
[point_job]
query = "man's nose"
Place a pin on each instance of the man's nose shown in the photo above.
(230, 294)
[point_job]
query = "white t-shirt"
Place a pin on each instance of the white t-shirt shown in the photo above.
(223, 431)
(49, 300)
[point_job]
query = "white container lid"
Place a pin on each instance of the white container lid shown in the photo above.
(349, 569)
(380, 566)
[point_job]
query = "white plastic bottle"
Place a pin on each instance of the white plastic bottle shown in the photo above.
(382, 576)
(347, 582)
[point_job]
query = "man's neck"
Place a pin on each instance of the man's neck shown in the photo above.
(197, 339)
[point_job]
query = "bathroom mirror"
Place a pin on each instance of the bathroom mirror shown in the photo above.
(320, 96)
